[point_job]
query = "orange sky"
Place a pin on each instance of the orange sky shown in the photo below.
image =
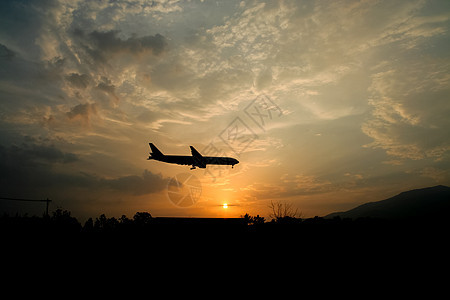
(327, 105)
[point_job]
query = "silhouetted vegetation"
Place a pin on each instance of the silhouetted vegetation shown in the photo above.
(62, 223)
(283, 212)
(251, 220)
(143, 237)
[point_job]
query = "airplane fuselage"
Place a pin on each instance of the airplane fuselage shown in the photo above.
(190, 160)
(196, 160)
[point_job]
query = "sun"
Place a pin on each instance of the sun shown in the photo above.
(225, 205)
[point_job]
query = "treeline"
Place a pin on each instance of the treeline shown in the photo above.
(61, 221)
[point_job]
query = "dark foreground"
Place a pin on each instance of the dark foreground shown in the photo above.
(144, 229)
(244, 246)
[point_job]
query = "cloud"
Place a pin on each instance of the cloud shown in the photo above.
(34, 167)
(109, 90)
(110, 42)
(6, 53)
(82, 112)
(438, 175)
(33, 154)
(80, 81)
(288, 186)
(77, 58)
(101, 47)
(28, 168)
(136, 185)
(409, 110)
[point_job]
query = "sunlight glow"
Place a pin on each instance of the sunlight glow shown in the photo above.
(225, 205)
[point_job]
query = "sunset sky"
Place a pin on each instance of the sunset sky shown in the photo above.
(326, 104)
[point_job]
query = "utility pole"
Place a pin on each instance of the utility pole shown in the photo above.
(46, 209)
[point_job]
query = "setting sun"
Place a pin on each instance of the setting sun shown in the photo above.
(225, 205)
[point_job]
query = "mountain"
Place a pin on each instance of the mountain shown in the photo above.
(431, 202)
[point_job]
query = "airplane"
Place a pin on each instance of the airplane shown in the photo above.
(196, 160)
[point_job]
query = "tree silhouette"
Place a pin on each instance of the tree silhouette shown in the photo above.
(63, 221)
(142, 218)
(104, 224)
(283, 212)
(251, 220)
(88, 225)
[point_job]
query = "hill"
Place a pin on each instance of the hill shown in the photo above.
(426, 203)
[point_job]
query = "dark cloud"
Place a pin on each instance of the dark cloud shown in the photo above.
(49, 154)
(82, 112)
(33, 154)
(110, 42)
(80, 81)
(101, 46)
(137, 185)
(109, 89)
(27, 169)
(6, 53)
(20, 22)
(31, 170)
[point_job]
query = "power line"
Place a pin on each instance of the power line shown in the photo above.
(29, 200)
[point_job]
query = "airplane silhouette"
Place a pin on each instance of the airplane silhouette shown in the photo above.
(196, 160)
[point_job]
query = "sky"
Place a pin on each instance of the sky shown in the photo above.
(326, 104)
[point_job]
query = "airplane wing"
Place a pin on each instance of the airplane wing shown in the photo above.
(198, 158)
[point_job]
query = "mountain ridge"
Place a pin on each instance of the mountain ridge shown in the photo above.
(429, 202)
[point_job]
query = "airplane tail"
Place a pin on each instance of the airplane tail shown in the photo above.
(195, 153)
(155, 152)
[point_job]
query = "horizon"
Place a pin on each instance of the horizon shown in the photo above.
(325, 105)
(282, 213)
(286, 208)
